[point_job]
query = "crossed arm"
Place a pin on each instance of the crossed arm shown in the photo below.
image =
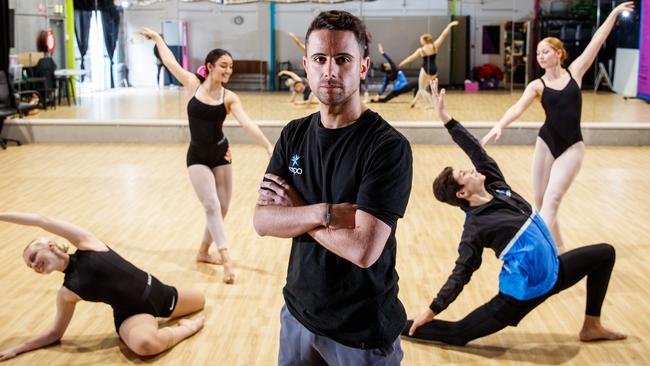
(352, 234)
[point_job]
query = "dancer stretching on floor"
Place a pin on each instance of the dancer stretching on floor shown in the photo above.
(96, 273)
(394, 80)
(500, 219)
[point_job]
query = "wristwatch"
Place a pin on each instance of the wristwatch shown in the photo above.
(328, 215)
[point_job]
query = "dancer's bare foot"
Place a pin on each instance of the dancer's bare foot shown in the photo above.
(208, 258)
(194, 325)
(592, 330)
(228, 273)
(602, 334)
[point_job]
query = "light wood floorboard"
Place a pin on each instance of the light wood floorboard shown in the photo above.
(139, 200)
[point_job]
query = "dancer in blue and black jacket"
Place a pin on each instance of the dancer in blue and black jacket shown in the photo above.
(500, 219)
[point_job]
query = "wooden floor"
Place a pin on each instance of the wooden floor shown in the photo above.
(138, 199)
(147, 104)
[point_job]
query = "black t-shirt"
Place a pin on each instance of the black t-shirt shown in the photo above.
(368, 163)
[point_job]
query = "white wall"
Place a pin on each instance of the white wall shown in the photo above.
(492, 12)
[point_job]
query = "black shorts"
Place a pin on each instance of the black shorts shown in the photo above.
(212, 156)
(158, 300)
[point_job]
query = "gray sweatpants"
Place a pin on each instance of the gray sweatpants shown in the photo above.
(300, 347)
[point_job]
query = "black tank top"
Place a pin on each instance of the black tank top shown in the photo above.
(105, 277)
(563, 110)
(206, 120)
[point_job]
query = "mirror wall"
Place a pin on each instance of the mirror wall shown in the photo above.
(491, 49)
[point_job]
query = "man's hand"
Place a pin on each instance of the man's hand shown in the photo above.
(275, 191)
(421, 319)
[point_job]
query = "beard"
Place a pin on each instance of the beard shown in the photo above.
(339, 95)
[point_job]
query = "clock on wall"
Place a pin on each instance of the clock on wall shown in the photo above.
(239, 20)
(46, 42)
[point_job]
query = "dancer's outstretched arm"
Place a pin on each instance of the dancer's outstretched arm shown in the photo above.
(186, 78)
(465, 140)
(290, 74)
(297, 41)
(441, 38)
(514, 111)
(414, 56)
(237, 110)
(77, 236)
(581, 64)
(65, 305)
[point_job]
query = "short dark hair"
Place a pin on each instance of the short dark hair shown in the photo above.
(341, 21)
(445, 188)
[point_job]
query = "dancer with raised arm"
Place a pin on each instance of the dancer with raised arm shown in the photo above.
(559, 149)
(208, 157)
(498, 218)
(429, 69)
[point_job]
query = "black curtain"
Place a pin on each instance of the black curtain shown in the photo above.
(4, 36)
(82, 13)
(82, 31)
(111, 24)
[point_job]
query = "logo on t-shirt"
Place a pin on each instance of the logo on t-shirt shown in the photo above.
(293, 165)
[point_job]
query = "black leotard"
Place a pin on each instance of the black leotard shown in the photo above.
(429, 64)
(208, 145)
(106, 277)
(561, 128)
(306, 93)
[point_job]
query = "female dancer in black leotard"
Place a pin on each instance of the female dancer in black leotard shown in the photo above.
(98, 274)
(559, 149)
(429, 70)
(208, 158)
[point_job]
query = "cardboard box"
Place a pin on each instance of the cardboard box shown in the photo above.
(29, 59)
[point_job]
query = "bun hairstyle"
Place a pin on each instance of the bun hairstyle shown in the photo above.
(426, 38)
(44, 241)
(557, 45)
(211, 58)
